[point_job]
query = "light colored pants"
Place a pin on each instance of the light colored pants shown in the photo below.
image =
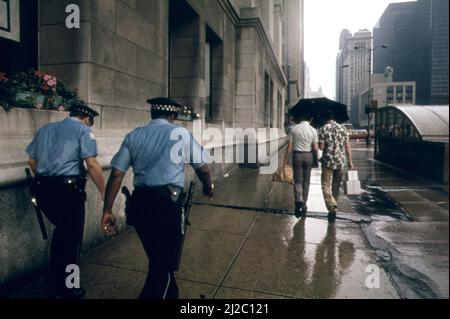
(331, 184)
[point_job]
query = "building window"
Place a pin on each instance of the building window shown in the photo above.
(213, 71)
(409, 89)
(381, 125)
(271, 106)
(400, 125)
(184, 27)
(409, 94)
(268, 96)
(389, 94)
(10, 20)
(390, 121)
(208, 76)
(409, 131)
(280, 109)
(399, 94)
(18, 53)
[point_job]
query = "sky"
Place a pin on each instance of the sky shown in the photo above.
(324, 21)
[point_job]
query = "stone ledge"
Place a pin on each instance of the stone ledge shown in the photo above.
(18, 127)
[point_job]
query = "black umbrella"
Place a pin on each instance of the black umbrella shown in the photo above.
(319, 108)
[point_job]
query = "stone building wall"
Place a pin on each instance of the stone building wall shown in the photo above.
(125, 52)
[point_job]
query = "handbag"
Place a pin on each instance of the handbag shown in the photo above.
(284, 175)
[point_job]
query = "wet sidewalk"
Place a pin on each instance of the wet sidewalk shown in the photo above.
(240, 253)
(239, 247)
(410, 227)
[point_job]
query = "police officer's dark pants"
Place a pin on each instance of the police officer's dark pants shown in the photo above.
(158, 224)
(302, 166)
(63, 204)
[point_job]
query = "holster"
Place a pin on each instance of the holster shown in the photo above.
(171, 192)
(176, 193)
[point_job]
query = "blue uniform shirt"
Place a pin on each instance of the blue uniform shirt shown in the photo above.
(59, 147)
(158, 153)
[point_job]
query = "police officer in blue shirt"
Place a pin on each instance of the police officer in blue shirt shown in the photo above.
(56, 156)
(157, 153)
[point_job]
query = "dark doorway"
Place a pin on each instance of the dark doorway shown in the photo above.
(182, 25)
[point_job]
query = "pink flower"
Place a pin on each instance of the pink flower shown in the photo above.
(3, 77)
(51, 83)
(47, 77)
(38, 106)
(61, 108)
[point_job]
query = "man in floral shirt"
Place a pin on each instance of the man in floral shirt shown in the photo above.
(334, 142)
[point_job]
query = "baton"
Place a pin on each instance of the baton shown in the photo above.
(32, 187)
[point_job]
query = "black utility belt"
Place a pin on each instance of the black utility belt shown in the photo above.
(175, 192)
(65, 180)
(301, 152)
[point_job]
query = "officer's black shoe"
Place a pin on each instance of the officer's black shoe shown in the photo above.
(298, 209)
(75, 293)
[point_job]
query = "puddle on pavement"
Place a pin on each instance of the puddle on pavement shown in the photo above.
(378, 205)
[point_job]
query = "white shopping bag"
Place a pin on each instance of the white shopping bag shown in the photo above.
(352, 185)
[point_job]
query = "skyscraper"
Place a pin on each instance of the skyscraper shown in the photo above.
(396, 28)
(352, 66)
(432, 51)
(417, 35)
(293, 60)
(340, 92)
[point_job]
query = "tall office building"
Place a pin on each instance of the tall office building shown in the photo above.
(417, 35)
(396, 28)
(353, 66)
(293, 60)
(340, 92)
(432, 51)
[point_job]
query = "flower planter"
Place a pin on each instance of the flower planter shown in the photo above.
(30, 99)
(35, 90)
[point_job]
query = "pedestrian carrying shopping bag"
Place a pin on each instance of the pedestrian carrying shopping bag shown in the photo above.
(284, 175)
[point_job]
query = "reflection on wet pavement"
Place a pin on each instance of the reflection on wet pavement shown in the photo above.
(378, 205)
(308, 259)
(322, 274)
(286, 257)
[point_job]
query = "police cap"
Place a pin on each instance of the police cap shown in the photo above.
(82, 108)
(163, 104)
